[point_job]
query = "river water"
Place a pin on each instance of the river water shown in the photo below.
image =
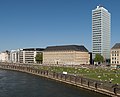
(18, 84)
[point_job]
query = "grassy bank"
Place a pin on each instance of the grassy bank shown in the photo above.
(101, 74)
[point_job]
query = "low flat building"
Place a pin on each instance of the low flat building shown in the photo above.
(67, 54)
(28, 55)
(115, 54)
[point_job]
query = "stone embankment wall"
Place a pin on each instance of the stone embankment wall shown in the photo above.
(93, 85)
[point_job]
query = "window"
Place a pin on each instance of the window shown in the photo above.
(112, 52)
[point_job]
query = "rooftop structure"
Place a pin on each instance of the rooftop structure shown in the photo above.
(33, 49)
(116, 46)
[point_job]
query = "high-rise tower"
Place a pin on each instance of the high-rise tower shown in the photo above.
(101, 32)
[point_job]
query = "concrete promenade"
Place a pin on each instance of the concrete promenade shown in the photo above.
(109, 89)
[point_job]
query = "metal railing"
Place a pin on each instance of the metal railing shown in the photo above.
(94, 85)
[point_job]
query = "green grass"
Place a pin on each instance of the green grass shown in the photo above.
(97, 73)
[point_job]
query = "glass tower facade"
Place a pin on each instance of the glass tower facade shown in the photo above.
(101, 24)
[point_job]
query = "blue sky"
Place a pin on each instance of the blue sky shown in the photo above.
(41, 23)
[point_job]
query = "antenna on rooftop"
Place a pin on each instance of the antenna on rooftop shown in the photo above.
(100, 5)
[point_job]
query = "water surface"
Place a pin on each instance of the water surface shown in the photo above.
(18, 84)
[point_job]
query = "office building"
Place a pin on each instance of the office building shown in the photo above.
(28, 55)
(14, 56)
(101, 32)
(66, 55)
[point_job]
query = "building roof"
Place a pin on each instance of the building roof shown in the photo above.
(33, 49)
(116, 46)
(67, 48)
(6, 52)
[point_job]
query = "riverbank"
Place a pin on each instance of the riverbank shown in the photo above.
(92, 85)
(92, 72)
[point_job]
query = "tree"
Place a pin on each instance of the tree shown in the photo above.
(98, 58)
(39, 58)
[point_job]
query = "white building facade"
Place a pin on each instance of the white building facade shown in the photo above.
(5, 56)
(28, 55)
(14, 56)
(101, 32)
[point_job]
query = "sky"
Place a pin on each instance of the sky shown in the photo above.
(42, 23)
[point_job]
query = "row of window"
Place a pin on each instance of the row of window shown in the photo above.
(96, 15)
(96, 12)
(115, 54)
(97, 36)
(114, 62)
(114, 58)
(96, 25)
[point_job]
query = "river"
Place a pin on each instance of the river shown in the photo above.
(18, 84)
